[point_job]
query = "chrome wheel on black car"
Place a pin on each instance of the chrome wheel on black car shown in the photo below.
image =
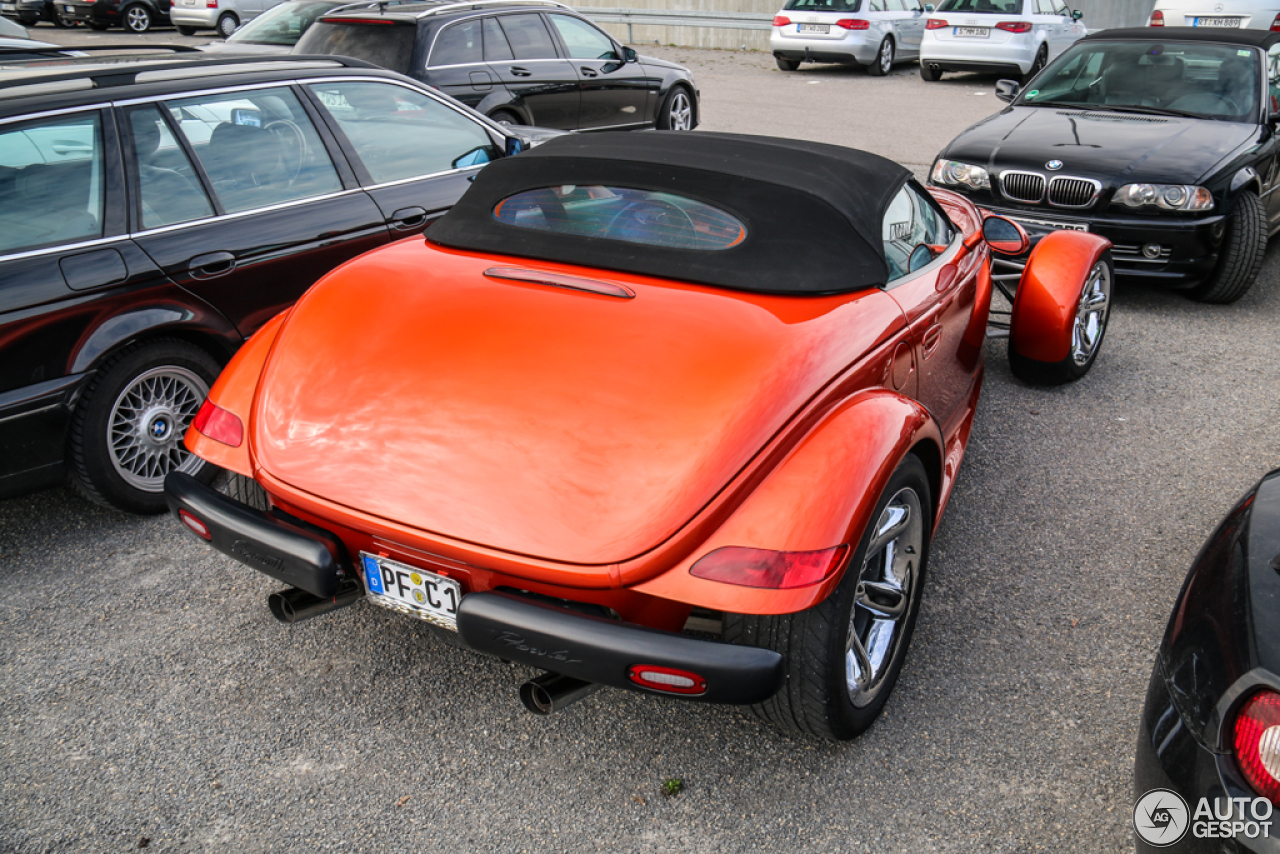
(677, 111)
(137, 19)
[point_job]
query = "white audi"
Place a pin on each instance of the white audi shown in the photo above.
(1012, 37)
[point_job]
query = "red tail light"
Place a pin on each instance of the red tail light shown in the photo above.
(1275, 25)
(667, 679)
(200, 528)
(1257, 743)
(934, 24)
(1157, 19)
(853, 24)
(211, 4)
(1014, 26)
(781, 21)
(769, 569)
(219, 424)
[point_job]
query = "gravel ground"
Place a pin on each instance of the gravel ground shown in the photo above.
(152, 702)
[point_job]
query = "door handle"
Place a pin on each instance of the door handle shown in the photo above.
(212, 265)
(521, 72)
(406, 219)
(588, 72)
(932, 338)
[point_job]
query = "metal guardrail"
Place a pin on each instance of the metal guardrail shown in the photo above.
(679, 18)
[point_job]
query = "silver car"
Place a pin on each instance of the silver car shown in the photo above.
(871, 33)
(1237, 14)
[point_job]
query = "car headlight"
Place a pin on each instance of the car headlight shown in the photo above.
(1170, 197)
(956, 173)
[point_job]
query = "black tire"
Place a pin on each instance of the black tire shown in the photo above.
(677, 111)
(126, 433)
(246, 490)
(883, 63)
(1042, 59)
(1240, 257)
(61, 22)
(930, 73)
(95, 25)
(1093, 312)
(786, 64)
(137, 18)
(228, 24)
(185, 30)
(815, 698)
(505, 117)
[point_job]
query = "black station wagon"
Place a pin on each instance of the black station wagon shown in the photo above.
(154, 211)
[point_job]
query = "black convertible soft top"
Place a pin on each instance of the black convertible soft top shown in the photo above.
(813, 212)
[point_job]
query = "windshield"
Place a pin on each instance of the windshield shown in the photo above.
(282, 25)
(1202, 80)
(388, 46)
(982, 7)
(823, 5)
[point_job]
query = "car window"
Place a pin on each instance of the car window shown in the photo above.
(50, 181)
(1273, 77)
(496, 47)
(824, 5)
(625, 214)
(528, 36)
(282, 25)
(169, 190)
(989, 7)
(583, 40)
(399, 133)
(386, 46)
(1044, 7)
(457, 45)
(257, 147)
(1061, 9)
(912, 220)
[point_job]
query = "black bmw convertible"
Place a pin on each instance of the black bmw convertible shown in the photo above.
(1163, 140)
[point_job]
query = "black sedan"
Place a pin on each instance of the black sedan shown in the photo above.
(1210, 728)
(1162, 140)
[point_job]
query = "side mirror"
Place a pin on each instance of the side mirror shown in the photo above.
(515, 145)
(1077, 15)
(1007, 90)
(928, 7)
(629, 55)
(1005, 236)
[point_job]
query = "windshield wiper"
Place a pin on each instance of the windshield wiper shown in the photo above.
(1068, 104)
(1149, 111)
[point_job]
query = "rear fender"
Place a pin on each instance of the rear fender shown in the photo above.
(1044, 308)
(821, 495)
(234, 391)
(167, 318)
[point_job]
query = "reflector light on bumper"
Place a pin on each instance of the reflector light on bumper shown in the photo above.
(667, 679)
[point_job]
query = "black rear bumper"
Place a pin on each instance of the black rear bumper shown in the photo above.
(549, 637)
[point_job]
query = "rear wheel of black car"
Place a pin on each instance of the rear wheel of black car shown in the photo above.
(127, 431)
(786, 64)
(931, 73)
(1093, 310)
(1240, 257)
(61, 22)
(505, 117)
(677, 110)
(883, 63)
(227, 24)
(136, 18)
(844, 654)
(186, 31)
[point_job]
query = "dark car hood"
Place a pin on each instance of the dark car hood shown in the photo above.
(1114, 147)
(659, 63)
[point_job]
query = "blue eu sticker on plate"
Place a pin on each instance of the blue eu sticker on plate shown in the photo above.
(373, 573)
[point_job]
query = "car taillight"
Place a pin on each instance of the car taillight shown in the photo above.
(853, 24)
(1014, 26)
(1275, 25)
(666, 679)
(1157, 19)
(211, 4)
(219, 424)
(198, 527)
(781, 21)
(768, 569)
(1257, 743)
(934, 24)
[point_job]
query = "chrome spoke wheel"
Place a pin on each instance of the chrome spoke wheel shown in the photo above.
(886, 56)
(680, 112)
(147, 422)
(886, 587)
(1091, 314)
(138, 19)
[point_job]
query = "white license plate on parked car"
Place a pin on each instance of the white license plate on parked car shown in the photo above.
(1048, 224)
(1218, 22)
(8, 7)
(973, 32)
(814, 28)
(411, 590)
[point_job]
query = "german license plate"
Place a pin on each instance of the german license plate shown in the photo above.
(814, 28)
(1049, 224)
(972, 32)
(1218, 22)
(68, 9)
(8, 7)
(411, 590)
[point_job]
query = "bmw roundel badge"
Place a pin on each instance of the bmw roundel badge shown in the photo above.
(1053, 165)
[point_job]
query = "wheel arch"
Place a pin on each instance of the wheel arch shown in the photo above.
(821, 495)
(1048, 294)
(676, 81)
